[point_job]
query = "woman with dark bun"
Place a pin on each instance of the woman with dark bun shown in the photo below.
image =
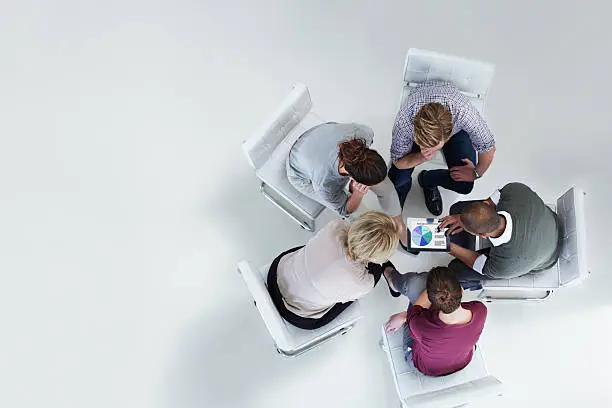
(329, 156)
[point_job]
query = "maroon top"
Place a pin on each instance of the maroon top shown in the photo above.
(441, 348)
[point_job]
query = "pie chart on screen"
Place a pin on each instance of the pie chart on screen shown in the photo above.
(421, 235)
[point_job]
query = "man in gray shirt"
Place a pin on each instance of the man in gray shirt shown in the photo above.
(329, 156)
(522, 229)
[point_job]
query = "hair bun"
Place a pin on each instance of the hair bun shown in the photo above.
(353, 151)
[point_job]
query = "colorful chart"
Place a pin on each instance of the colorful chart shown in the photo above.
(421, 236)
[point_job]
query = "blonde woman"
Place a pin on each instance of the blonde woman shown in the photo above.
(437, 116)
(313, 284)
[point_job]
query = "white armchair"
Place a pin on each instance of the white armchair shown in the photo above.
(473, 78)
(267, 150)
(571, 267)
(417, 390)
(289, 340)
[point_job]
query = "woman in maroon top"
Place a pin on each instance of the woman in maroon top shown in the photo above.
(439, 330)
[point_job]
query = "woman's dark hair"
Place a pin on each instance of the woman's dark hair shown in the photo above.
(365, 165)
(443, 289)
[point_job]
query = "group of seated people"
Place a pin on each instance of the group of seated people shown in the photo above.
(333, 164)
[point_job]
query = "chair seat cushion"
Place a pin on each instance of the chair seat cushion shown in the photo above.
(296, 338)
(299, 336)
(547, 279)
(274, 172)
(411, 382)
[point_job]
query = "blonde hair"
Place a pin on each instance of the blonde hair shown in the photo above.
(433, 124)
(371, 238)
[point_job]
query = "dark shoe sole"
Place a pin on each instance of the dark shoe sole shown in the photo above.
(391, 291)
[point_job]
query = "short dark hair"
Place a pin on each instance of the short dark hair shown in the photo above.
(479, 218)
(363, 164)
(443, 289)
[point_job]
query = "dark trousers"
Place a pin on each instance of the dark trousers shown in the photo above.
(307, 323)
(458, 147)
(468, 277)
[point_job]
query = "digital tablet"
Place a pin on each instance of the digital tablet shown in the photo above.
(423, 235)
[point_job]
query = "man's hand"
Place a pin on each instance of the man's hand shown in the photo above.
(358, 188)
(395, 322)
(463, 173)
(429, 152)
(453, 223)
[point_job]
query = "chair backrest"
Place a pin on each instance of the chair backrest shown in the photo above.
(573, 258)
(261, 144)
(470, 76)
(272, 319)
(457, 395)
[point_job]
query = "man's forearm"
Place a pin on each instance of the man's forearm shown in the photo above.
(484, 161)
(410, 160)
(467, 256)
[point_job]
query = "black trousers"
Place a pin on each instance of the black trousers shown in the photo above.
(458, 147)
(307, 323)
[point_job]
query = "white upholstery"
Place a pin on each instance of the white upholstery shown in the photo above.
(469, 76)
(289, 339)
(419, 390)
(473, 78)
(274, 171)
(267, 150)
(571, 266)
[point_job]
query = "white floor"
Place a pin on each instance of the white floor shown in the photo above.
(125, 201)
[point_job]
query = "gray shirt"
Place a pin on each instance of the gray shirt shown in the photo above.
(312, 167)
(534, 244)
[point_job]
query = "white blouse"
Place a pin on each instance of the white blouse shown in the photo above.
(319, 275)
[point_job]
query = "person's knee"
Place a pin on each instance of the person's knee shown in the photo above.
(464, 188)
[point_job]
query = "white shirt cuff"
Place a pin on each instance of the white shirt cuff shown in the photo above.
(495, 196)
(479, 263)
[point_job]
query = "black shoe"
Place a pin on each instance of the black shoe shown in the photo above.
(410, 251)
(391, 291)
(433, 199)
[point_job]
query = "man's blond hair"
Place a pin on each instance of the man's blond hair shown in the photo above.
(371, 238)
(433, 124)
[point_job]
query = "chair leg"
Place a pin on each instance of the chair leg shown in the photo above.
(308, 225)
(295, 353)
(491, 297)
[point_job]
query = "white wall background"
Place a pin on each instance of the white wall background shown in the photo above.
(125, 202)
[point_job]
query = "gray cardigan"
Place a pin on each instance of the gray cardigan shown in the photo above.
(534, 245)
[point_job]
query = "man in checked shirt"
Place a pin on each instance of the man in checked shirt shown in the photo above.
(436, 115)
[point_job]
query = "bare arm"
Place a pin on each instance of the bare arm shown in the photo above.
(423, 300)
(353, 202)
(484, 161)
(467, 256)
(357, 190)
